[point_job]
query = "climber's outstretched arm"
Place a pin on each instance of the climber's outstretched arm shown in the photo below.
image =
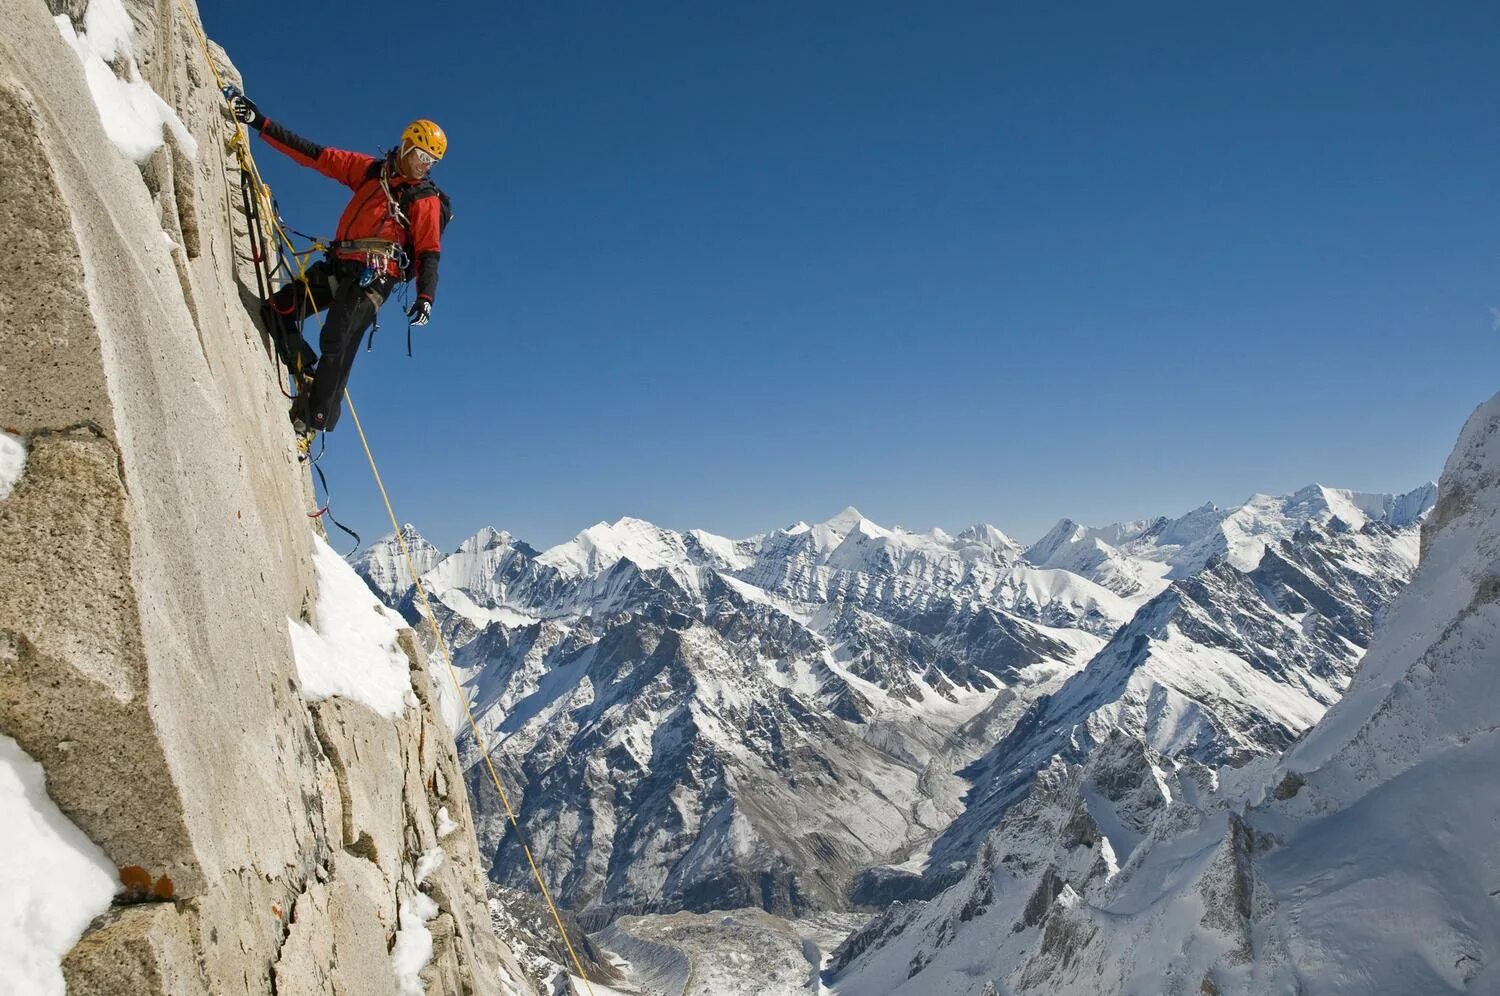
(348, 168)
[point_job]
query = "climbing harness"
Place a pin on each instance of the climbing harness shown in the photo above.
(247, 165)
(379, 256)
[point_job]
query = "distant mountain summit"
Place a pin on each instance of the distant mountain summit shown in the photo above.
(1142, 557)
(796, 719)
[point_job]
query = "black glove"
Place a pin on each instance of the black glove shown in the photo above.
(245, 111)
(420, 311)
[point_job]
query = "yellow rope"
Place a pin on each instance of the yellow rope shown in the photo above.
(247, 162)
(457, 687)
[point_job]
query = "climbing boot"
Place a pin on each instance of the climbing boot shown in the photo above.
(298, 413)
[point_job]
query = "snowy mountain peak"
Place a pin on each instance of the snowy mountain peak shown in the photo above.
(602, 545)
(720, 551)
(828, 534)
(1245, 532)
(987, 535)
(1043, 550)
(846, 520)
(384, 566)
(488, 538)
(1413, 506)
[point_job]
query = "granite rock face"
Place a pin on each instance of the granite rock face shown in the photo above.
(155, 547)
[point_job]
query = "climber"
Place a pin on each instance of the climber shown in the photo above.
(392, 224)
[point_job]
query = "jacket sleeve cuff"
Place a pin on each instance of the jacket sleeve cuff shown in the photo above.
(427, 275)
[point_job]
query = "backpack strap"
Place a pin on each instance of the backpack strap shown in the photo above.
(415, 192)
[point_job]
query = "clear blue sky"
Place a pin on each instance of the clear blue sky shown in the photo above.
(731, 265)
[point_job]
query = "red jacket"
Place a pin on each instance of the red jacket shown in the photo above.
(368, 214)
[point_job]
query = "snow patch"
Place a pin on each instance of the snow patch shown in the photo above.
(445, 824)
(56, 879)
(481, 616)
(430, 861)
(132, 113)
(413, 948)
(12, 463)
(353, 652)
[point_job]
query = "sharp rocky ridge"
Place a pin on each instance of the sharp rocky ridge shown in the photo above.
(829, 715)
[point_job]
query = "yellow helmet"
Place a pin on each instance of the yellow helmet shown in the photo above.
(427, 136)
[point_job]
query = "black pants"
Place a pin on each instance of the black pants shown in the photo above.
(333, 285)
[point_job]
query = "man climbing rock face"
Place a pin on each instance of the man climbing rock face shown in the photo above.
(390, 231)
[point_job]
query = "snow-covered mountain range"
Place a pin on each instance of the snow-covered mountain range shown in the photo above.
(695, 722)
(1361, 859)
(1224, 666)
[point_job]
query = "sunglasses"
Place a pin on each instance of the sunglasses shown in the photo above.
(424, 157)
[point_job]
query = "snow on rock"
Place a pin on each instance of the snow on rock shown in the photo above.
(12, 463)
(352, 652)
(133, 114)
(445, 824)
(413, 947)
(430, 861)
(55, 879)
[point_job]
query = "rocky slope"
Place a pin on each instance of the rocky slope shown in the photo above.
(1362, 859)
(684, 736)
(785, 721)
(1222, 667)
(266, 841)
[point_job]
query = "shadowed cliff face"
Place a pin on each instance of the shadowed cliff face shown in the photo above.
(155, 547)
